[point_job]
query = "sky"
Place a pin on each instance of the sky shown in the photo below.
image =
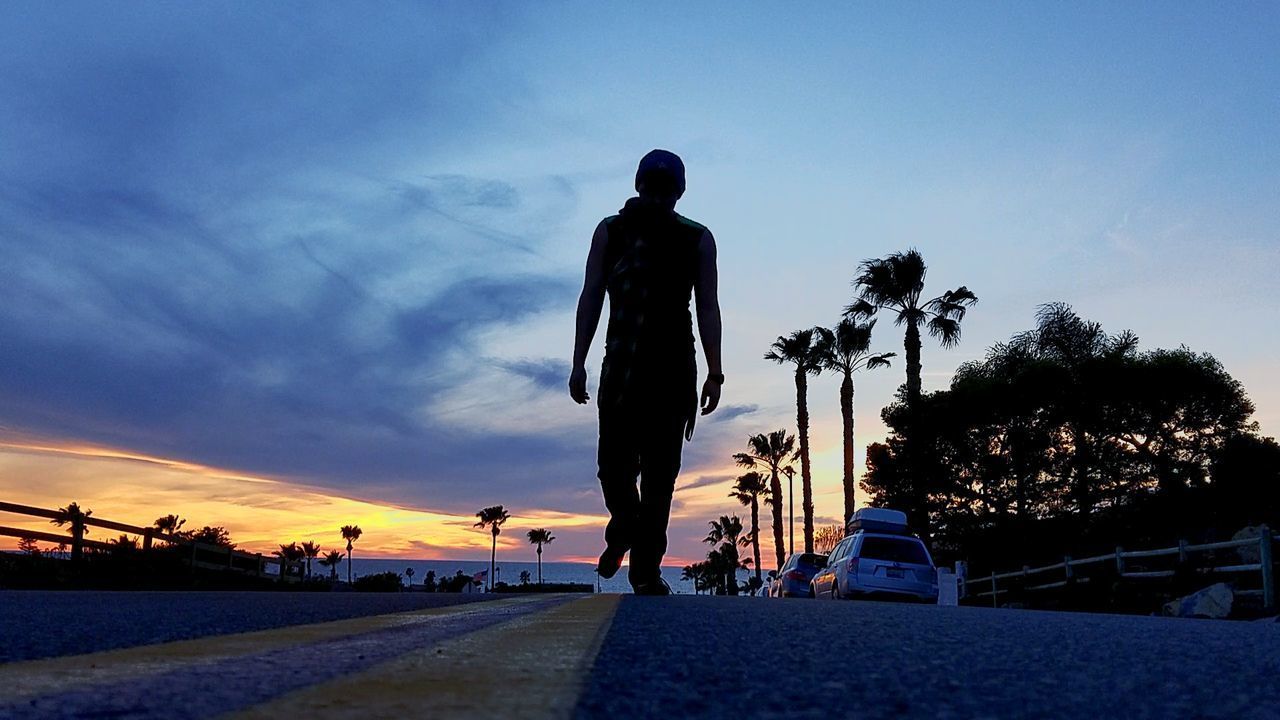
(282, 267)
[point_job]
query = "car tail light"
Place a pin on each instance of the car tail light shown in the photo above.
(795, 575)
(853, 565)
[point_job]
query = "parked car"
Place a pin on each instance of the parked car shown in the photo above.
(796, 575)
(879, 558)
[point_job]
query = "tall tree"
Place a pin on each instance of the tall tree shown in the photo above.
(540, 537)
(350, 533)
(169, 524)
(288, 554)
(332, 560)
(311, 551)
(748, 490)
(846, 349)
(797, 349)
(896, 283)
(771, 451)
(727, 532)
(73, 515)
(492, 517)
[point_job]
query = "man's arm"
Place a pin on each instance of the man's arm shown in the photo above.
(708, 300)
(590, 302)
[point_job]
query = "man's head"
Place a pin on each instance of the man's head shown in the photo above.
(660, 177)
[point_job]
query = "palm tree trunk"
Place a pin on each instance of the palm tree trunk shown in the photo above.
(493, 558)
(806, 483)
(348, 563)
(539, 563)
(846, 412)
(775, 486)
(755, 534)
(918, 512)
(911, 344)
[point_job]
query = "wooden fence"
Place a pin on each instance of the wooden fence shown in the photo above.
(202, 555)
(1120, 557)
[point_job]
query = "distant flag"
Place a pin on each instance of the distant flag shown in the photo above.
(480, 576)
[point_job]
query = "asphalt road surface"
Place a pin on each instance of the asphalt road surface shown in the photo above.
(717, 657)
(622, 657)
(36, 624)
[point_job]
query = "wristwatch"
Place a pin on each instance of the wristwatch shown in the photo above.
(717, 378)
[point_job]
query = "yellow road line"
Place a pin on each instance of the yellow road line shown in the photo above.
(533, 666)
(38, 677)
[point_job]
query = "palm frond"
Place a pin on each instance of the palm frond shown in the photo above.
(946, 330)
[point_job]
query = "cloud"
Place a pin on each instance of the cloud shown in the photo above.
(545, 373)
(733, 412)
(240, 240)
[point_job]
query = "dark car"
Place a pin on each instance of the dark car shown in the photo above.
(796, 575)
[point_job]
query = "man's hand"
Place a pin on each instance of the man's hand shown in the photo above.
(578, 385)
(710, 396)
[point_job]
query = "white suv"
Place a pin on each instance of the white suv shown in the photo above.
(871, 564)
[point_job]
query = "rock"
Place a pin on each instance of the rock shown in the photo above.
(1249, 553)
(1211, 602)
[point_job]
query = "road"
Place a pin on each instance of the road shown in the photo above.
(622, 657)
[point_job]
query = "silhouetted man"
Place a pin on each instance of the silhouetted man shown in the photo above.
(650, 261)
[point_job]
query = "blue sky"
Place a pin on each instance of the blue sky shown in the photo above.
(342, 248)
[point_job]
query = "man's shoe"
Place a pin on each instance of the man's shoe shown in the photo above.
(610, 562)
(657, 587)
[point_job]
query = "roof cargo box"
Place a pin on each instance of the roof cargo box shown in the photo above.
(882, 520)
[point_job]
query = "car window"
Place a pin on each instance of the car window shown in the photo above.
(841, 550)
(902, 550)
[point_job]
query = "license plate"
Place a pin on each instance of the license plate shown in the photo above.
(894, 572)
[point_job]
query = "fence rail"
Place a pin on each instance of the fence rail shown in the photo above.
(1264, 566)
(255, 564)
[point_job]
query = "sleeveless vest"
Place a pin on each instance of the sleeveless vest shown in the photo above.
(651, 263)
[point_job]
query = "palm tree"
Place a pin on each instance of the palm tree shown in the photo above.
(749, 489)
(846, 348)
(524, 578)
(896, 283)
(311, 551)
(727, 532)
(332, 560)
(289, 554)
(492, 517)
(540, 537)
(771, 451)
(408, 572)
(790, 472)
(693, 573)
(75, 516)
(797, 349)
(169, 524)
(350, 533)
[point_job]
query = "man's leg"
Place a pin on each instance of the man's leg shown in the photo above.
(619, 465)
(662, 443)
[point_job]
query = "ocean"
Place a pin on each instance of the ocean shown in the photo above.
(508, 572)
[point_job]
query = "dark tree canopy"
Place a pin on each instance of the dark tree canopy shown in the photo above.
(1066, 436)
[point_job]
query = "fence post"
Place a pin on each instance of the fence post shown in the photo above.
(1182, 552)
(1119, 560)
(1066, 566)
(995, 598)
(231, 557)
(146, 540)
(258, 570)
(1268, 570)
